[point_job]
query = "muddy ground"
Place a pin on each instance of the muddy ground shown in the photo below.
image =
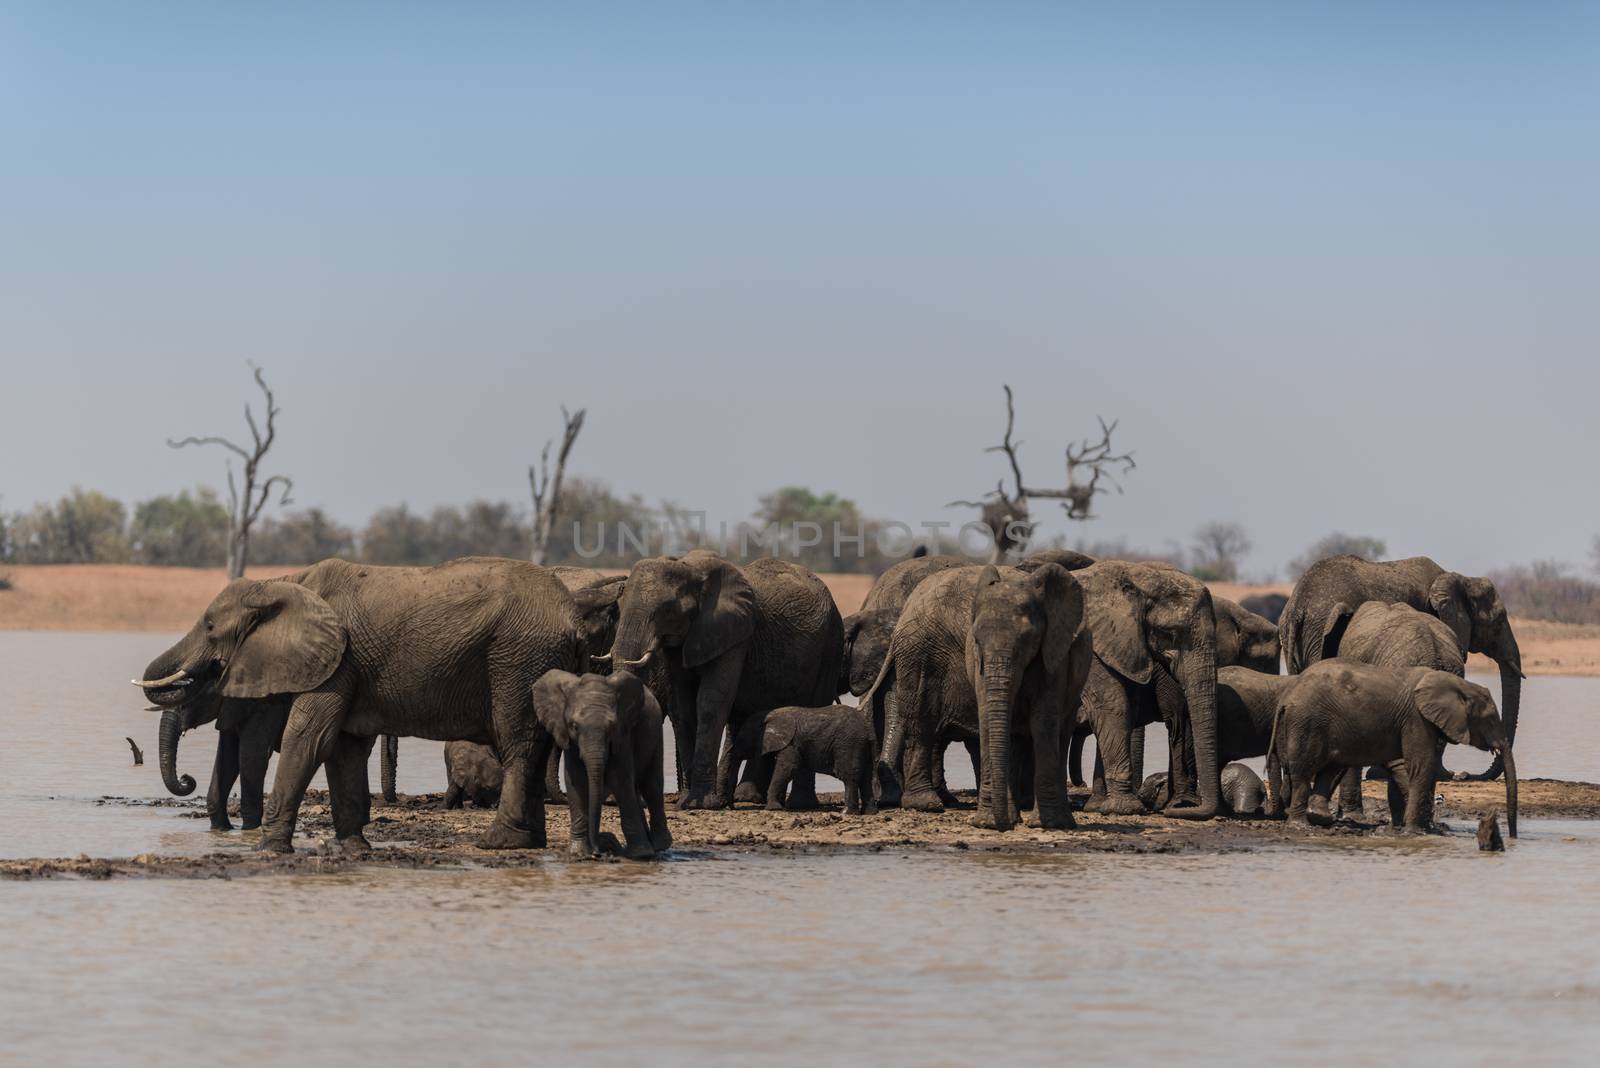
(416, 832)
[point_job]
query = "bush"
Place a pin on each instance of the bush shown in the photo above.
(181, 531)
(1337, 544)
(1548, 590)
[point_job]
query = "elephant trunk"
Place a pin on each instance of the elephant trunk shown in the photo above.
(1197, 672)
(995, 718)
(594, 762)
(1511, 789)
(635, 639)
(1509, 658)
(172, 726)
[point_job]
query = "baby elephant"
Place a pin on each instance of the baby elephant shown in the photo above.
(1344, 714)
(1243, 793)
(834, 740)
(475, 774)
(609, 729)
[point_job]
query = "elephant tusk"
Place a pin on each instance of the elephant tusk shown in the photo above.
(177, 678)
(599, 660)
(639, 664)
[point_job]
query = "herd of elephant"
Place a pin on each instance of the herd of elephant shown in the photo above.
(524, 669)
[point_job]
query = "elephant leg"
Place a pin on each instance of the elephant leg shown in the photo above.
(783, 770)
(308, 741)
(519, 818)
(803, 791)
(1350, 794)
(719, 685)
(1299, 799)
(752, 784)
(940, 786)
(579, 846)
(1396, 794)
(1080, 734)
(1274, 806)
(624, 784)
(728, 768)
(1049, 784)
(1023, 774)
(224, 771)
(1113, 732)
(919, 794)
(453, 796)
(349, 795)
(1136, 756)
(1097, 793)
(1318, 811)
(684, 696)
(651, 781)
(255, 751)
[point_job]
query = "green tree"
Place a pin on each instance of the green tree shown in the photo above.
(84, 527)
(1338, 544)
(301, 538)
(181, 531)
(1217, 550)
(396, 536)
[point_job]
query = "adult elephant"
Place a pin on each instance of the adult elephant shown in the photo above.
(991, 653)
(1243, 639)
(1333, 589)
(248, 733)
(867, 632)
(735, 640)
(1155, 630)
(448, 652)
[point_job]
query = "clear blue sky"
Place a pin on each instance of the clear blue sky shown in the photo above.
(1332, 265)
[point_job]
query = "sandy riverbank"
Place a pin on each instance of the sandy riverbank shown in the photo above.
(416, 832)
(101, 597)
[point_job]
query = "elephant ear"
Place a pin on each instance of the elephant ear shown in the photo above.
(1334, 625)
(1115, 610)
(1448, 599)
(1442, 700)
(1230, 635)
(599, 597)
(779, 733)
(294, 642)
(726, 615)
(630, 700)
(552, 695)
(1062, 599)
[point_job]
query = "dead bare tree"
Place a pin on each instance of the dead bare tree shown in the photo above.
(547, 487)
(245, 507)
(1006, 514)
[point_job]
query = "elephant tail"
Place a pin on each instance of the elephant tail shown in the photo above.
(1289, 639)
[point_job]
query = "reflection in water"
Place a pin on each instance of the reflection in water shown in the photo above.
(1396, 944)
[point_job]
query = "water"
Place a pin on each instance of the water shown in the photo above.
(1405, 945)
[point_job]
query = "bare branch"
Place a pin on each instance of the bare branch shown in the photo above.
(546, 488)
(178, 443)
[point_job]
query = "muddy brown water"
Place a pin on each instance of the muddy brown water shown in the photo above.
(1405, 946)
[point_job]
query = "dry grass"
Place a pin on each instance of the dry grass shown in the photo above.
(168, 599)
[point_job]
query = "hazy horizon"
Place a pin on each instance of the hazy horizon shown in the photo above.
(1328, 265)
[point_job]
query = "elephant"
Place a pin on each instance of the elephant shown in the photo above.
(389, 766)
(867, 632)
(837, 740)
(474, 774)
(1243, 793)
(609, 728)
(1314, 619)
(1243, 639)
(447, 652)
(1345, 714)
(735, 640)
(1246, 702)
(1398, 636)
(1269, 606)
(1155, 655)
(248, 733)
(1070, 559)
(990, 653)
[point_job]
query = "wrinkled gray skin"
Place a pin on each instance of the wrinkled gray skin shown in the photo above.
(1243, 639)
(1395, 636)
(1344, 714)
(390, 766)
(1243, 793)
(836, 740)
(447, 652)
(994, 654)
(609, 728)
(1155, 631)
(248, 733)
(1246, 703)
(1331, 591)
(735, 640)
(1267, 605)
(867, 632)
(474, 774)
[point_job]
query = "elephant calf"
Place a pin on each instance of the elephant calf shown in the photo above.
(608, 727)
(1243, 793)
(475, 774)
(1344, 714)
(833, 740)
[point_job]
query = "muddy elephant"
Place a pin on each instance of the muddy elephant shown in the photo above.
(1398, 636)
(993, 654)
(1331, 590)
(248, 733)
(447, 652)
(473, 773)
(835, 740)
(1243, 639)
(735, 640)
(609, 728)
(1155, 633)
(1243, 793)
(1343, 714)
(867, 632)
